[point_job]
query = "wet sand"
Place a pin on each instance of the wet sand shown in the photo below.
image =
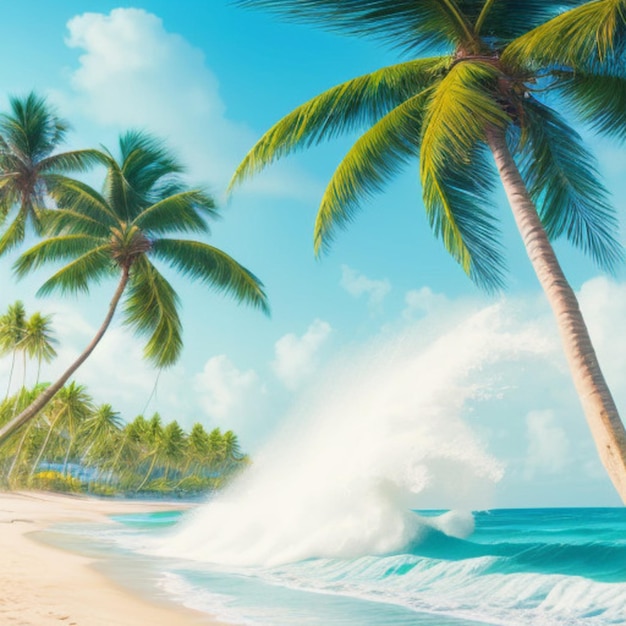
(42, 585)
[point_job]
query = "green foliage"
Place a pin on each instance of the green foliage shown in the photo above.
(564, 185)
(75, 446)
(499, 58)
(121, 231)
(579, 38)
(29, 138)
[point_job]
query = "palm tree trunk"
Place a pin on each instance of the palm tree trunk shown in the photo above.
(29, 412)
(149, 473)
(11, 373)
(598, 405)
(44, 445)
(17, 455)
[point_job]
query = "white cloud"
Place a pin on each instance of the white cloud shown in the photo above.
(133, 73)
(296, 358)
(225, 391)
(358, 284)
(422, 302)
(548, 444)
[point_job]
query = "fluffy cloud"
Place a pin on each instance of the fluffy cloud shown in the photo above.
(421, 302)
(548, 444)
(296, 358)
(358, 284)
(133, 73)
(224, 390)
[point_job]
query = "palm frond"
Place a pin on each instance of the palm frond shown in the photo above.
(357, 103)
(178, 213)
(374, 159)
(456, 179)
(69, 222)
(148, 166)
(214, 268)
(599, 98)
(32, 129)
(79, 274)
(79, 197)
(60, 248)
(151, 310)
(587, 34)
(459, 207)
(564, 184)
(14, 234)
(410, 25)
(72, 161)
(501, 21)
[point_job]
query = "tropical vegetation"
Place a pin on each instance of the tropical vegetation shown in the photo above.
(125, 232)
(75, 445)
(30, 135)
(484, 83)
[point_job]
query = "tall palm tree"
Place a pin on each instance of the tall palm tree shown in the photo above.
(487, 90)
(30, 135)
(39, 340)
(13, 329)
(120, 232)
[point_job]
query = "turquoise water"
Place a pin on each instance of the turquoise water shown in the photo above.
(539, 567)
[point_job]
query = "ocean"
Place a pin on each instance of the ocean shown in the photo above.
(539, 567)
(333, 523)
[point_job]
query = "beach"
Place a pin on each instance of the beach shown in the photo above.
(45, 586)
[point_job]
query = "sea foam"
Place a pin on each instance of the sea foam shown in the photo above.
(381, 434)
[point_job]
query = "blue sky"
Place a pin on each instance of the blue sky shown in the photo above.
(209, 80)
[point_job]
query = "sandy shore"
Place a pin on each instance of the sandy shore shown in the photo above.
(44, 586)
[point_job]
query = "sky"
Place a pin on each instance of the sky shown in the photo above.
(210, 79)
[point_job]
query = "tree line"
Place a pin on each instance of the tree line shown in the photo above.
(76, 445)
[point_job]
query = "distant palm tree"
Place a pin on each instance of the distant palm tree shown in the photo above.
(152, 440)
(173, 447)
(482, 94)
(13, 329)
(120, 233)
(39, 340)
(71, 407)
(101, 437)
(198, 448)
(30, 135)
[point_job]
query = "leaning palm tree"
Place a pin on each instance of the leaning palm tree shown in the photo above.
(120, 232)
(496, 69)
(30, 136)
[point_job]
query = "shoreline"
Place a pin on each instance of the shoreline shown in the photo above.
(44, 585)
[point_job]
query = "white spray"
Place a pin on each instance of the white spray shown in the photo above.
(379, 436)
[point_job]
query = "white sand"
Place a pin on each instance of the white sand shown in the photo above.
(44, 586)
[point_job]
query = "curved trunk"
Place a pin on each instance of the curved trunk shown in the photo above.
(598, 405)
(30, 411)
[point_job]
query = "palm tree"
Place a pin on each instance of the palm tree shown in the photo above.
(173, 447)
(101, 437)
(71, 407)
(29, 136)
(13, 329)
(119, 232)
(486, 91)
(153, 440)
(39, 340)
(198, 448)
